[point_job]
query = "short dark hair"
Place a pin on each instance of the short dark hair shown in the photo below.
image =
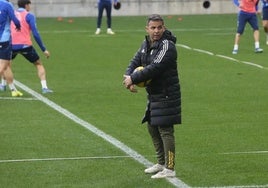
(23, 3)
(155, 17)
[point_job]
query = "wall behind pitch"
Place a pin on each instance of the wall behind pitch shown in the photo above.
(87, 8)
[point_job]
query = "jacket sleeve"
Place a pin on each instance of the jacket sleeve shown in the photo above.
(236, 2)
(31, 20)
(164, 59)
(134, 63)
(13, 17)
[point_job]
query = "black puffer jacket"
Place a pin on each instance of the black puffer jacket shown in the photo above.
(160, 62)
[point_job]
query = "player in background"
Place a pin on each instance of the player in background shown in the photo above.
(22, 43)
(265, 18)
(247, 14)
(6, 15)
(107, 5)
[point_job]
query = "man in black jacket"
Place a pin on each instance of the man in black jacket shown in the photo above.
(158, 56)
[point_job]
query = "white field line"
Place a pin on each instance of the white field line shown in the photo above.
(245, 152)
(202, 51)
(242, 186)
(62, 159)
(252, 64)
(219, 34)
(132, 153)
(227, 57)
(18, 98)
(109, 157)
(185, 46)
(221, 56)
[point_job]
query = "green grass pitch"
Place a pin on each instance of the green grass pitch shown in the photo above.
(221, 142)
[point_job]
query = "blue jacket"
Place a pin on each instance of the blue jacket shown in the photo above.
(6, 15)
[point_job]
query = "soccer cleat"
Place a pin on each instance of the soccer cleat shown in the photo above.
(235, 52)
(154, 169)
(3, 87)
(46, 90)
(166, 173)
(16, 93)
(98, 31)
(110, 32)
(258, 50)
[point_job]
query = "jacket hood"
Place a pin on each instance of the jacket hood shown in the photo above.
(168, 35)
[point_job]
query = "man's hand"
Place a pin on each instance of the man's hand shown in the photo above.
(47, 54)
(128, 84)
(127, 81)
(133, 89)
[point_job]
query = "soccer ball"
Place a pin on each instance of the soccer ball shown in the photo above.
(141, 84)
(117, 6)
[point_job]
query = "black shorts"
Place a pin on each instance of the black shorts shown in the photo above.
(265, 13)
(5, 50)
(29, 53)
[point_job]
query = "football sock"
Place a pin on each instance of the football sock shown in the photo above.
(3, 82)
(12, 87)
(257, 45)
(44, 83)
(236, 47)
